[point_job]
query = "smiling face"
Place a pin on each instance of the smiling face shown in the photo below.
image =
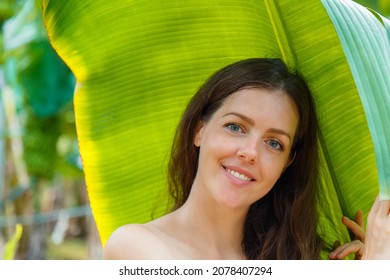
(245, 146)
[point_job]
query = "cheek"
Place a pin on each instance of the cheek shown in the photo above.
(272, 166)
(270, 172)
(217, 144)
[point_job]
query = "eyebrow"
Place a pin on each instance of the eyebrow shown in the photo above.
(245, 118)
(252, 122)
(279, 131)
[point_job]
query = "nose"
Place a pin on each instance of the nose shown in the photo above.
(249, 150)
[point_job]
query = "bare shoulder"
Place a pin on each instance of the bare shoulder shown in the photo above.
(133, 241)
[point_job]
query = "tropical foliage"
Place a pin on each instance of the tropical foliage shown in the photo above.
(138, 62)
(41, 179)
(12, 244)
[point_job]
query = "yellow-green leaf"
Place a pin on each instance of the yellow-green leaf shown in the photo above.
(137, 63)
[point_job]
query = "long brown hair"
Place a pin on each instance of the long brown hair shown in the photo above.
(282, 224)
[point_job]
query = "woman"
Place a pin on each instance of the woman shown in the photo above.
(242, 174)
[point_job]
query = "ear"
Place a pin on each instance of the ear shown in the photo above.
(198, 133)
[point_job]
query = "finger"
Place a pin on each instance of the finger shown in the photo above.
(355, 247)
(355, 228)
(333, 254)
(337, 250)
(359, 218)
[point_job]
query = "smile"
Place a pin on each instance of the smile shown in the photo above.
(238, 175)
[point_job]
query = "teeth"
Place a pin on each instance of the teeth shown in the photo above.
(238, 175)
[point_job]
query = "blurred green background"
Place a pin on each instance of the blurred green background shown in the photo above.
(42, 186)
(41, 178)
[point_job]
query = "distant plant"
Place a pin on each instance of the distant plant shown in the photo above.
(12, 245)
(38, 142)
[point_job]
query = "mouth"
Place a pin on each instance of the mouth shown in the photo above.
(238, 175)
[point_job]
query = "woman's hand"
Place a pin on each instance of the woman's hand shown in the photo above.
(378, 231)
(354, 247)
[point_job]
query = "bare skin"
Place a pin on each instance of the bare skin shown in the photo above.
(356, 246)
(377, 245)
(244, 148)
(177, 236)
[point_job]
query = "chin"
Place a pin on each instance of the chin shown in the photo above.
(233, 201)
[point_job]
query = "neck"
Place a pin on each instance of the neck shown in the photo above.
(213, 227)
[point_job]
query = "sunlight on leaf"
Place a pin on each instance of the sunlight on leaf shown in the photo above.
(136, 73)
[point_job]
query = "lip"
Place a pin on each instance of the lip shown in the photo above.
(241, 171)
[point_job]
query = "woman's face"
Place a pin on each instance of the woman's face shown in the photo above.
(245, 146)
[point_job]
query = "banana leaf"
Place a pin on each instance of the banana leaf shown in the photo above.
(137, 63)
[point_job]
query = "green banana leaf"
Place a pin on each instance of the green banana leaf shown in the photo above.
(137, 63)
